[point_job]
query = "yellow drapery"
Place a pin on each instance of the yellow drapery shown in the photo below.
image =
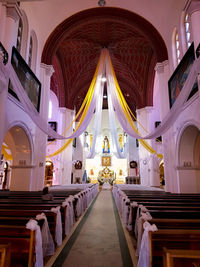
(5, 154)
(84, 107)
(128, 114)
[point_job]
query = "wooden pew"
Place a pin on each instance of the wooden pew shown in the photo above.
(21, 217)
(5, 255)
(165, 209)
(169, 223)
(171, 239)
(181, 257)
(22, 244)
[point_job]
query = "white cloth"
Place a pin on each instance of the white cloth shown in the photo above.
(58, 235)
(130, 217)
(113, 126)
(33, 225)
(145, 253)
(125, 210)
(47, 240)
(140, 209)
(143, 218)
(70, 199)
(69, 214)
(68, 224)
(98, 110)
(106, 186)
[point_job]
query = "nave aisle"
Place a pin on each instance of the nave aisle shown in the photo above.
(95, 242)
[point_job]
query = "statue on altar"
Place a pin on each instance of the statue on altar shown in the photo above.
(106, 145)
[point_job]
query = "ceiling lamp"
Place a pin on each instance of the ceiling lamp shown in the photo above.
(104, 79)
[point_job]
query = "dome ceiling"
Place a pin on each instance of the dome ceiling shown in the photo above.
(74, 47)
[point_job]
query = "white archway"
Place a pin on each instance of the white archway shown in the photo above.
(18, 141)
(189, 160)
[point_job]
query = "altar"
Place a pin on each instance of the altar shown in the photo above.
(106, 176)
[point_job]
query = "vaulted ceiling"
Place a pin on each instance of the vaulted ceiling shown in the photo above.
(74, 47)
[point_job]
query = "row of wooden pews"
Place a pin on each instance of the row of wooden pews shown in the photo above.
(31, 228)
(161, 222)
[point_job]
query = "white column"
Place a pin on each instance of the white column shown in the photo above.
(154, 171)
(168, 141)
(11, 26)
(40, 140)
(143, 116)
(46, 72)
(194, 12)
(66, 155)
(162, 70)
(132, 155)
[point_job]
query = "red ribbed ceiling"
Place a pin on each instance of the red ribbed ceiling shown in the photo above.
(74, 47)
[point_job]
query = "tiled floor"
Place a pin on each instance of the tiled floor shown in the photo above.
(97, 244)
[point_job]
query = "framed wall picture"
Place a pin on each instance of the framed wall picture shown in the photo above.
(106, 161)
(178, 78)
(27, 78)
(53, 125)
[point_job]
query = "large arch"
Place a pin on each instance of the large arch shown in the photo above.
(18, 142)
(134, 44)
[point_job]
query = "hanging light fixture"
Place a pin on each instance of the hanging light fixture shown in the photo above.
(104, 79)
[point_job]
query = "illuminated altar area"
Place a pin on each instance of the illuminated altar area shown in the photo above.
(105, 166)
(117, 170)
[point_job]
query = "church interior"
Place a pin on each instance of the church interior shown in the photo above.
(99, 133)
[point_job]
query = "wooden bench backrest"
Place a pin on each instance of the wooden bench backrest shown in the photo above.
(172, 239)
(5, 255)
(22, 243)
(180, 258)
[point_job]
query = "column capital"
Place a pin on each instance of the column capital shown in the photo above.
(63, 110)
(13, 11)
(193, 6)
(160, 66)
(49, 70)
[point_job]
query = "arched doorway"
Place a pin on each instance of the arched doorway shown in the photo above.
(189, 160)
(48, 181)
(162, 175)
(16, 151)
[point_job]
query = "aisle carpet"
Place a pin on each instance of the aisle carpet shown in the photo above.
(98, 241)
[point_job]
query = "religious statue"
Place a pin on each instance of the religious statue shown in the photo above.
(106, 145)
(121, 142)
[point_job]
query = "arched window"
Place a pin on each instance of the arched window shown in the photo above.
(19, 35)
(30, 52)
(22, 34)
(177, 46)
(187, 30)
